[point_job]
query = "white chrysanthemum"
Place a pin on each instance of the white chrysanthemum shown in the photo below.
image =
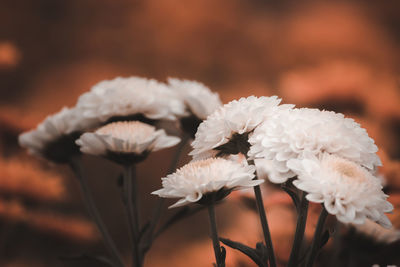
(131, 96)
(130, 140)
(200, 178)
(292, 133)
(238, 117)
(346, 189)
(263, 167)
(378, 233)
(54, 138)
(199, 99)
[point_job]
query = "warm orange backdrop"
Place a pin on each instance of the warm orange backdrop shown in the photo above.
(338, 55)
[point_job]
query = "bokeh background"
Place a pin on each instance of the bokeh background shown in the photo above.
(336, 55)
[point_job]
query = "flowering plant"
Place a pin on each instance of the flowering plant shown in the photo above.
(315, 156)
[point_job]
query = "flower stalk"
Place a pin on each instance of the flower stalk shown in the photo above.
(76, 166)
(264, 222)
(315, 246)
(265, 227)
(300, 228)
(131, 199)
(214, 236)
(157, 211)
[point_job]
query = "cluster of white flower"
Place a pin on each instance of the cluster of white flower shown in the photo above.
(332, 157)
(295, 132)
(329, 156)
(120, 99)
(235, 119)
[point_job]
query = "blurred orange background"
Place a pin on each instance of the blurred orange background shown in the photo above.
(335, 55)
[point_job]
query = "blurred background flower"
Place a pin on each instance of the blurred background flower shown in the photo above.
(341, 56)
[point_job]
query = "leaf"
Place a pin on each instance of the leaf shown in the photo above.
(262, 251)
(250, 252)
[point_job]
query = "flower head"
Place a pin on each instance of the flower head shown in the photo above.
(226, 130)
(206, 180)
(199, 101)
(346, 189)
(198, 98)
(131, 97)
(54, 138)
(125, 142)
(292, 133)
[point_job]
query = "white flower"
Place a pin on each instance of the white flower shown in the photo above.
(54, 138)
(292, 133)
(346, 189)
(131, 96)
(263, 168)
(125, 142)
(199, 99)
(234, 120)
(378, 233)
(213, 178)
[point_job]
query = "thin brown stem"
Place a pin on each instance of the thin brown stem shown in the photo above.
(214, 236)
(76, 166)
(264, 221)
(133, 216)
(160, 202)
(300, 228)
(315, 246)
(265, 227)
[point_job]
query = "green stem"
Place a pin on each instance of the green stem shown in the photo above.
(300, 228)
(130, 192)
(76, 167)
(315, 246)
(214, 236)
(264, 224)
